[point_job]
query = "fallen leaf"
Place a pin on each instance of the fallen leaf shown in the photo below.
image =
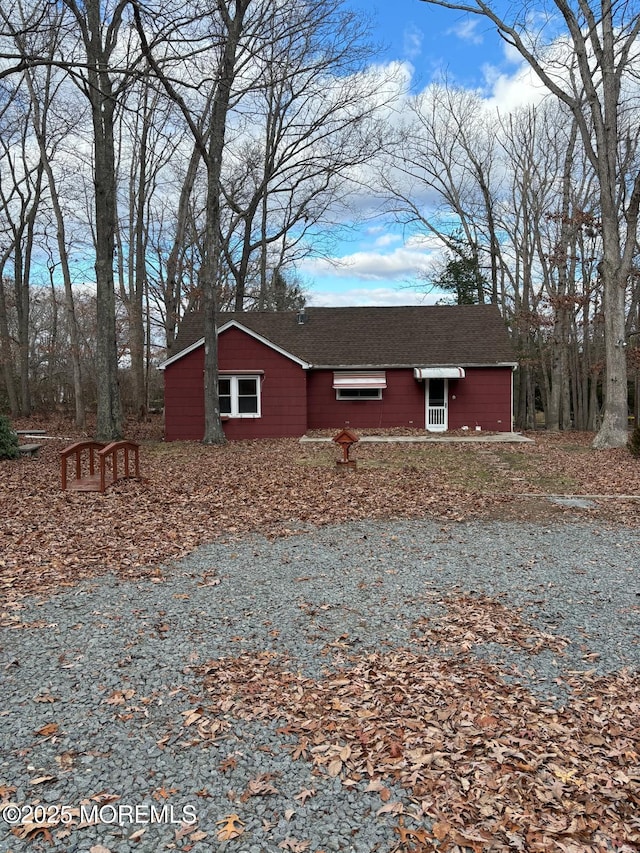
(163, 793)
(49, 729)
(293, 845)
(440, 829)
(230, 827)
(40, 780)
(305, 794)
(119, 697)
(335, 767)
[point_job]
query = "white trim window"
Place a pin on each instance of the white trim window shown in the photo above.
(239, 396)
(359, 385)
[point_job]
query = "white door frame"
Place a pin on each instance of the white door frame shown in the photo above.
(436, 417)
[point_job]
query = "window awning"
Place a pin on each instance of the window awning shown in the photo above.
(360, 379)
(439, 372)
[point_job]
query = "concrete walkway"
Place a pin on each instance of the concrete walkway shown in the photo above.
(488, 438)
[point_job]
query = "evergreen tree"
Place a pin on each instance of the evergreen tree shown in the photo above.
(462, 275)
(8, 440)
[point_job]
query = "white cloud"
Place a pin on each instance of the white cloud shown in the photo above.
(467, 30)
(402, 264)
(427, 241)
(511, 53)
(510, 91)
(387, 240)
(412, 42)
(370, 297)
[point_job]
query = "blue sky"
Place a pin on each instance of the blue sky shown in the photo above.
(378, 265)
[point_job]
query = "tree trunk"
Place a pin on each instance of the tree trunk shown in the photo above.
(173, 290)
(136, 293)
(6, 355)
(213, 432)
(39, 121)
(100, 40)
(614, 431)
(109, 411)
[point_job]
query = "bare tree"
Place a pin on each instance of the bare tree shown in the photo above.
(98, 78)
(304, 130)
(439, 166)
(144, 148)
(21, 183)
(42, 89)
(87, 37)
(588, 70)
(228, 30)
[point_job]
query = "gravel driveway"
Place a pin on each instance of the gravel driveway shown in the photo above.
(98, 681)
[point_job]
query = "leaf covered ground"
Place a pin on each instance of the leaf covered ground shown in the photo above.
(486, 765)
(192, 494)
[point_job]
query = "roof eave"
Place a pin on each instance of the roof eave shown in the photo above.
(235, 324)
(378, 366)
(194, 346)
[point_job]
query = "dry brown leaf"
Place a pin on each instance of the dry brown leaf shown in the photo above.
(335, 767)
(192, 716)
(305, 794)
(30, 830)
(295, 846)
(440, 829)
(391, 808)
(229, 763)
(163, 793)
(49, 729)
(261, 786)
(230, 827)
(119, 697)
(40, 780)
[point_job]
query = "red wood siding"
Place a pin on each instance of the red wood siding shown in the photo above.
(283, 391)
(184, 398)
(482, 398)
(402, 404)
(294, 400)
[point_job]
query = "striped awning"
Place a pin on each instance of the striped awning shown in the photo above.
(360, 379)
(439, 372)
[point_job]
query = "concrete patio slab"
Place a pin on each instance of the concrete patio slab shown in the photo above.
(475, 438)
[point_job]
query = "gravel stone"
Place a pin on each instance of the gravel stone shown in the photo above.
(118, 658)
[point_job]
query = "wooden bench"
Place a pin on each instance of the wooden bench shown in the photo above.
(29, 449)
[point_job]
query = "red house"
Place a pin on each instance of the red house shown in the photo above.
(429, 367)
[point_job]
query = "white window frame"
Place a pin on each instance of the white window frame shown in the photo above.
(234, 379)
(348, 383)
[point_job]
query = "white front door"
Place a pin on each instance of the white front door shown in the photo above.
(436, 394)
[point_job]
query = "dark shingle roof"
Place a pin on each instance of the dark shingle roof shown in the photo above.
(380, 336)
